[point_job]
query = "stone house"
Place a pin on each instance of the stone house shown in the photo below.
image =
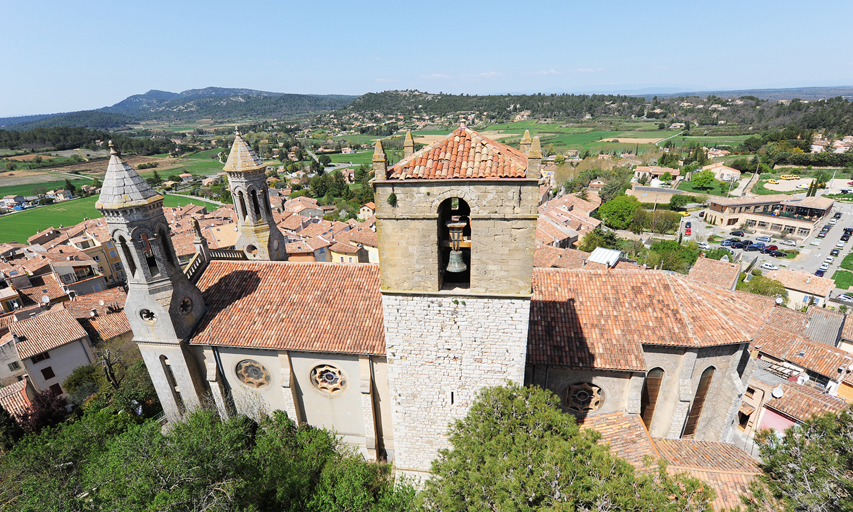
(803, 288)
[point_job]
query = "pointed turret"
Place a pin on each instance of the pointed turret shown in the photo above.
(259, 237)
(380, 161)
(123, 187)
(526, 142)
(162, 305)
(408, 145)
(534, 159)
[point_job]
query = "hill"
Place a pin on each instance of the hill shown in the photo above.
(207, 103)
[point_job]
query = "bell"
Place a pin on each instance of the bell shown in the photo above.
(456, 263)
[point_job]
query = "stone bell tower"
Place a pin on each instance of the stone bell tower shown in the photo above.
(259, 237)
(456, 223)
(162, 305)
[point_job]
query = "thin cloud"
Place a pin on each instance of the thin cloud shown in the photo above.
(548, 72)
(485, 74)
(589, 70)
(435, 75)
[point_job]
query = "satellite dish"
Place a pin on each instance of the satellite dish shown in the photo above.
(45, 299)
(779, 301)
(777, 392)
(102, 303)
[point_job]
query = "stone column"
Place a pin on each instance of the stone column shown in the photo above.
(635, 393)
(685, 395)
(366, 388)
(216, 384)
(288, 389)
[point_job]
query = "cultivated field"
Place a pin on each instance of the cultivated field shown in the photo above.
(19, 226)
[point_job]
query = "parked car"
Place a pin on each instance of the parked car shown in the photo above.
(829, 259)
(738, 245)
(763, 238)
(845, 298)
(701, 214)
(834, 252)
(688, 224)
(704, 245)
(687, 232)
(822, 234)
(848, 230)
(789, 242)
(837, 215)
(819, 273)
(747, 242)
(778, 254)
(840, 243)
(683, 214)
(769, 266)
(824, 267)
(772, 247)
(845, 237)
(832, 221)
(738, 233)
(752, 247)
(727, 243)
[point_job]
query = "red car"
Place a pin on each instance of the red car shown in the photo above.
(687, 231)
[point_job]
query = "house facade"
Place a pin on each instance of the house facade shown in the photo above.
(771, 215)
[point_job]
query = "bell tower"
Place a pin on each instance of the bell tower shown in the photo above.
(456, 223)
(162, 305)
(259, 237)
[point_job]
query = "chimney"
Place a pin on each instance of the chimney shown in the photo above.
(526, 142)
(408, 145)
(534, 160)
(380, 162)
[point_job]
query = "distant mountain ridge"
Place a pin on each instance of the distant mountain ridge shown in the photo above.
(210, 102)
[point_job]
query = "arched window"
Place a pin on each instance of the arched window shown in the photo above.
(255, 204)
(128, 257)
(454, 243)
(651, 391)
(173, 385)
(242, 202)
(698, 403)
(148, 252)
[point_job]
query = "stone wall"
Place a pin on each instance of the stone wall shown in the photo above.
(442, 350)
(615, 386)
(503, 230)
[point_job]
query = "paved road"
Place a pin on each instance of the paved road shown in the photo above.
(199, 198)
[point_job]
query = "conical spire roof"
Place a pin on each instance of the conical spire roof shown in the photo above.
(123, 187)
(242, 158)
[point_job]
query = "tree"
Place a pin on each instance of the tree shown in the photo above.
(704, 179)
(666, 176)
(762, 285)
(807, 469)
(70, 186)
(46, 409)
(517, 450)
(618, 212)
(599, 238)
(10, 431)
(680, 201)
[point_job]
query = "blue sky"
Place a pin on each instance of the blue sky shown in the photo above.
(63, 56)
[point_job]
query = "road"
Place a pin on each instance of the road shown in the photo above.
(199, 198)
(810, 257)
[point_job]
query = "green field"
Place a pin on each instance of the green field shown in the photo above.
(365, 157)
(733, 140)
(27, 189)
(843, 279)
(20, 226)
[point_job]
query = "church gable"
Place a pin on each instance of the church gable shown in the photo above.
(307, 307)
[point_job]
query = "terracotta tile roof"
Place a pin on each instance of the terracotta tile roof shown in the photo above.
(716, 273)
(761, 305)
(601, 318)
(571, 202)
(803, 282)
(816, 202)
(725, 467)
(46, 284)
(14, 398)
(110, 320)
(626, 434)
(46, 332)
(548, 232)
(310, 307)
(463, 154)
(802, 351)
(344, 248)
(789, 320)
(547, 256)
(365, 237)
(799, 402)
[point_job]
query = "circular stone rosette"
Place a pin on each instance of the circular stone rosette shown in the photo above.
(328, 379)
(252, 373)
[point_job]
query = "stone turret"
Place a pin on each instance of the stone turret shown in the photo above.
(162, 305)
(200, 242)
(259, 237)
(380, 161)
(534, 159)
(408, 145)
(526, 142)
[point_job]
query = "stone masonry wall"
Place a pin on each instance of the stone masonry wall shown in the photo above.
(441, 351)
(503, 231)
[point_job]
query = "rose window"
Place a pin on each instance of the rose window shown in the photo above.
(583, 397)
(252, 373)
(328, 378)
(186, 306)
(148, 316)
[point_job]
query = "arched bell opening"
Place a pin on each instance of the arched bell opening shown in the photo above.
(454, 243)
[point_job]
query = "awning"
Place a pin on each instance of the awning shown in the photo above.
(747, 409)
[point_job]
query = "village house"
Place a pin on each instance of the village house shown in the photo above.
(649, 172)
(723, 172)
(772, 214)
(366, 210)
(12, 201)
(803, 288)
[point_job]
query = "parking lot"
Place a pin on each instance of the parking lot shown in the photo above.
(813, 250)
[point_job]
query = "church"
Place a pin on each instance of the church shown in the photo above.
(388, 356)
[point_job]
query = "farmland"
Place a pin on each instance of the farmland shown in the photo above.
(19, 226)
